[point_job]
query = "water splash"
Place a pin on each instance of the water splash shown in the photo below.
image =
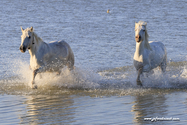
(21, 75)
(174, 78)
(117, 81)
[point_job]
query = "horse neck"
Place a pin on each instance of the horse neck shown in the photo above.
(140, 48)
(38, 43)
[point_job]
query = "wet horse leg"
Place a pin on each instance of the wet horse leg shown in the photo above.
(138, 78)
(163, 66)
(58, 72)
(34, 75)
(149, 73)
(70, 67)
(35, 72)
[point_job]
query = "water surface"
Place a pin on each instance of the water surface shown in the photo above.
(102, 89)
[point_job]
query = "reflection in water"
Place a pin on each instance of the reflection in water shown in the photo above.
(149, 106)
(48, 109)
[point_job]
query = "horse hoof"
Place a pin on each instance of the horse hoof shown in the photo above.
(34, 87)
(139, 83)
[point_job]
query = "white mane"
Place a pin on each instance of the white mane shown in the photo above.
(37, 38)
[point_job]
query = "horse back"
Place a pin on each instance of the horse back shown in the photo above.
(62, 51)
(158, 47)
(59, 48)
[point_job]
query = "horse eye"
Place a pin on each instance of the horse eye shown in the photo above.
(29, 37)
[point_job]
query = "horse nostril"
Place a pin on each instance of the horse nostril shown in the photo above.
(24, 48)
(138, 37)
(21, 47)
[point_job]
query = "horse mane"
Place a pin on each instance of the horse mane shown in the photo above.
(143, 23)
(37, 38)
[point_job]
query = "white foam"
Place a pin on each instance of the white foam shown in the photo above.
(170, 79)
(121, 82)
(78, 78)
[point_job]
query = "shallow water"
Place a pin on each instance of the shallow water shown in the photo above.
(102, 89)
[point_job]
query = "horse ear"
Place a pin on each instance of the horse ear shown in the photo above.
(145, 23)
(21, 29)
(31, 29)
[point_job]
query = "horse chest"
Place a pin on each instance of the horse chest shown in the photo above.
(142, 60)
(35, 63)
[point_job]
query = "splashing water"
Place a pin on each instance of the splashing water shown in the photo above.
(120, 81)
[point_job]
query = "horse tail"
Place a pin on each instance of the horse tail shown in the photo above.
(70, 58)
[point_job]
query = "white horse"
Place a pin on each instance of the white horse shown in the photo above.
(148, 55)
(44, 57)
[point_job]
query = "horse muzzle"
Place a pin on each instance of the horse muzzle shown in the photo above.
(22, 48)
(138, 38)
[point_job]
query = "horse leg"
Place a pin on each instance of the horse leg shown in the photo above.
(138, 78)
(70, 67)
(34, 75)
(163, 65)
(149, 73)
(58, 73)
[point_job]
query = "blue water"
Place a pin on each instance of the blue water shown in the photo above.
(103, 90)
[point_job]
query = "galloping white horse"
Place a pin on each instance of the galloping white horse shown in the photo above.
(44, 57)
(148, 55)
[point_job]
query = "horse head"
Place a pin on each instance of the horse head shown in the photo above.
(140, 31)
(27, 39)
